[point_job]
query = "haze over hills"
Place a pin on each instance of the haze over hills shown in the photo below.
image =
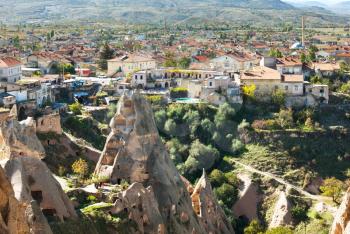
(155, 11)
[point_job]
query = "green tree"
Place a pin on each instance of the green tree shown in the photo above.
(106, 53)
(333, 188)
(170, 60)
(227, 194)
(184, 62)
(170, 127)
(200, 156)
(76, 108)
(254, 228)
(278, 97)
(217, 178)
(285, 118)
(279, 230)
(303, 58)
(276, 53)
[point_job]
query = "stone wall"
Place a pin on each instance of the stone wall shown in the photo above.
(49, 123)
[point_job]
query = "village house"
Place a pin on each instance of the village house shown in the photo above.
(234, 62)
(10, 70)
(216, 90)
(326, 69)
(266, 80)
(130, 63)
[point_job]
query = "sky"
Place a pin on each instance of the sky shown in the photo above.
(323, 1)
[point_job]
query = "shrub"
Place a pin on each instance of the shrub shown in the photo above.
(178, 92)
(217, 178)
(201, 156)
(227, 194)
(237, 146)
(278, 97)
(279, 230)
(254, 228)
(332, 187)
(76, 108)
(81, 168)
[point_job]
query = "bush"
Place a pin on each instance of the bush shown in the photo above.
(201, 156)
(178, 92)
(237, 146)
(76, 108)
(217, 178)
(279, 230)
(278, 97)
(254, 228)
(81, 168)
(227, 194)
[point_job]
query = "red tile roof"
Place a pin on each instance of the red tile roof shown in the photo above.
(9, 62)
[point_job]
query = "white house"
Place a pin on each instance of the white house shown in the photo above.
(10, 70)
(234, 62)
(130, 63)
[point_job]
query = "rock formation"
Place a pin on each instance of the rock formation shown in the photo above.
(341, 223)
(134, 152)
(19, 217)
(31, 192)
(49, 123)
(19, 138)
(282, 213)
(141, 206)
(208, 209)
(32, 180)
(247, 204)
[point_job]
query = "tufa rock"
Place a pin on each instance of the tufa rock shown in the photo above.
(208, 209)
(18, 139)
(32, 180)
(19, 217)
(341, 223)
(282, 213)
(134, 152)
(247, 204)
(141, 206)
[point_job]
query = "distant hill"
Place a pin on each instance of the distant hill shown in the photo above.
(154, 11)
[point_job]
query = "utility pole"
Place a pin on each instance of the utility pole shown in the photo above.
(302, 31)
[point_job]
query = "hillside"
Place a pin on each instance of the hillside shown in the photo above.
(155, 11)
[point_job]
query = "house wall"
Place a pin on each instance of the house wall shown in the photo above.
(11, 74)
(129, 67)
(49, 123)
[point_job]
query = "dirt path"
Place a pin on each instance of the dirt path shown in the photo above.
(81, 142)
(281, 181)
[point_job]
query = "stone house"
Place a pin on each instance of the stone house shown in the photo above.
(10, 70)
(130, 63)
(234, 62)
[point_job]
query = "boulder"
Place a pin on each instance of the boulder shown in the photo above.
(341, 223)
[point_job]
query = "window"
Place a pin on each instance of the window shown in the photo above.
(286, 87)
(296, 88)
(210, 83)
(141, 77)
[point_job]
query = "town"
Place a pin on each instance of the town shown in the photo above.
(174, 127)
(178, 66)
